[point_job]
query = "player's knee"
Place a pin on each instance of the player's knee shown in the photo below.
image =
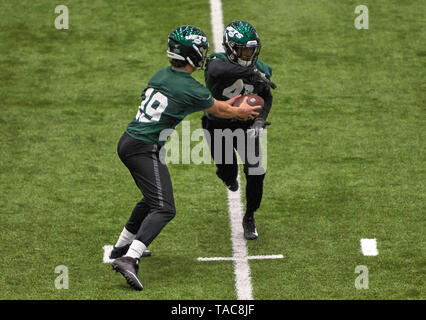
(173, 213)
(170, 213)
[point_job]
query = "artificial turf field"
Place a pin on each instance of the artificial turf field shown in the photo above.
(346, 152)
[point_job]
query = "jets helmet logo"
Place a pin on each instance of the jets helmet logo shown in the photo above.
(197, 39)
(232, 32)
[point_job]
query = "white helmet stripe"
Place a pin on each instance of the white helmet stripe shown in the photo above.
(190, 62)
(175, 56)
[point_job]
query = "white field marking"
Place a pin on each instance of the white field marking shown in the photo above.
(271, 256)
(239, 248)
(216, 259)
(216, 18)
(369, 247)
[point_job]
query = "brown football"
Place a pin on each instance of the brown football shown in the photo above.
(252, 100)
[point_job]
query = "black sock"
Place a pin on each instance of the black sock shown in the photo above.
(249, 214)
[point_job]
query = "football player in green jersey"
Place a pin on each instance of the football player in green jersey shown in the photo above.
(228, 74)
(171, 94)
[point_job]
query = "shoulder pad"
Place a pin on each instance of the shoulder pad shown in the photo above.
(219, 56)
(264, 67)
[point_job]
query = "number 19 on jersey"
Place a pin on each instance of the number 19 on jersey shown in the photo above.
(152, 106)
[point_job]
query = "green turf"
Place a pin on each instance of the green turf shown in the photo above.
(345, 152)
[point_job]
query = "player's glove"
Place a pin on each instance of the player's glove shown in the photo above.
(257, 127)
(261, 77)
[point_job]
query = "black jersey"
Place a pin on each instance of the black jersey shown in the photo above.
(226, 80)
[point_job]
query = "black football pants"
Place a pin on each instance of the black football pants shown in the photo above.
(157, 207)
(228, 170)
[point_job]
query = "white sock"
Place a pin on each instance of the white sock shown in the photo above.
(136, 249)
(125, 238)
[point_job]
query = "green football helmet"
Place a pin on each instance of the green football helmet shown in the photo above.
(189, 44)
(241, 43)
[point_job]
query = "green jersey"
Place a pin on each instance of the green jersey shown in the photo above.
(169, 97)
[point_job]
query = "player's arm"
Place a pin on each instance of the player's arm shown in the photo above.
(267, 98)
(265, 78)
(224, 109)
(260, 122)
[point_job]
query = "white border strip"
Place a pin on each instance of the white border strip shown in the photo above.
(369, 247)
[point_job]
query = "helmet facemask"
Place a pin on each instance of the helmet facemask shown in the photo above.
(199, 55)
(247, 54)
(241, 43)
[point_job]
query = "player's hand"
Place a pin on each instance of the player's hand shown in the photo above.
(256, 130)
(247, 112)
(232, 100)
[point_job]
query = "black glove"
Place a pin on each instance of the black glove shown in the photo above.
(257, 127)
(261, 77)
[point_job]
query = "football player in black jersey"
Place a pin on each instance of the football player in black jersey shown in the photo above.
(233, 72)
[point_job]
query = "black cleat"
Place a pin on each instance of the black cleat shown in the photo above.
(128, 267)
(118, 252)
(249, 226)
(233, 186)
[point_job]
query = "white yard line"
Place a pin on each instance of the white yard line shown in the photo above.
(271, 256)
(239, 247)
(216, 18)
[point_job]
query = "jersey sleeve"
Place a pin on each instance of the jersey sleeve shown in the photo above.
(265, 93)
(267, 97)
(200, 97)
